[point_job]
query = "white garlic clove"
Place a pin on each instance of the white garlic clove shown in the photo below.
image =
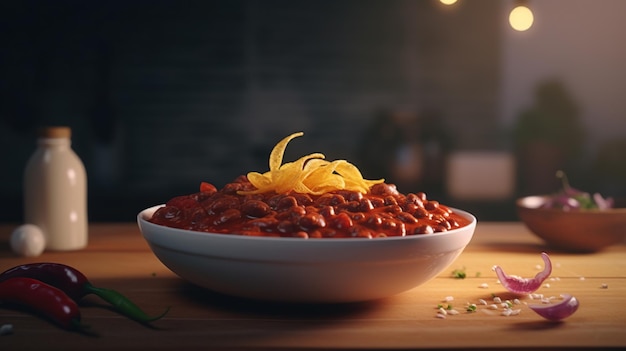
(28, 240)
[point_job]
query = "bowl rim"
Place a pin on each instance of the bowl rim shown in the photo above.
(142, 221)
(521, 203)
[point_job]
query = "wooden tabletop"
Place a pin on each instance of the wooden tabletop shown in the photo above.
(117, 257)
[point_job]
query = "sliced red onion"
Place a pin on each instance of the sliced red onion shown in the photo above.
(601, 202)
(519, 285)
(557, 311)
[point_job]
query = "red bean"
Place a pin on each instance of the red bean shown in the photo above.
(384, 189)
(453, 223)
(377, 202)
(406, 218)
(424, 229)
(381, 212)
(312, 221)
(365, 205)
(262, 223)
(395, 209)
(327, 211)
(330, 200)
(364, 234)
(182, 202)
(233, 188)
(292, 213)
(285, 227)
(222, 204)
(341, 221)
(390, 200)
(350, 195)
(415, 200)
(228, 215)
(374, 221)
(303, 199)
(199, 197)
(255, 208)
(352, 206)
(431, 205)
(315, 234)
(197, 216)
(357, 216)
(441, 228)
(394, 227)
(168, 213)
(286, 202)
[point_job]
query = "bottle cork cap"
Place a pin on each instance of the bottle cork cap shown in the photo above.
(55, 132)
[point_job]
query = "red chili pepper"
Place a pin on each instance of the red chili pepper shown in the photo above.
(44, 299)
(76, 285)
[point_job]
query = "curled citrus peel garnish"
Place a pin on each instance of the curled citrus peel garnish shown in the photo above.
(310, 174)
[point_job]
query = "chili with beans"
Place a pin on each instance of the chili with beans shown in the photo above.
(383, 212)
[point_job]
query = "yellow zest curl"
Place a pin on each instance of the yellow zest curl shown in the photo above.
(310, 174)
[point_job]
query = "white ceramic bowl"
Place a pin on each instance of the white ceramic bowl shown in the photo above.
(305, 270)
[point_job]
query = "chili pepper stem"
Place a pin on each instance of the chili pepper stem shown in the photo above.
(122, 304)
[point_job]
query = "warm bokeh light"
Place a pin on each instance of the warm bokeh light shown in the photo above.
(521, 18)
(448, 2)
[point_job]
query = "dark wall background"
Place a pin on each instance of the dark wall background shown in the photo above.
(164, 94)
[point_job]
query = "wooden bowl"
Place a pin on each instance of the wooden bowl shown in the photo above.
(573, 231)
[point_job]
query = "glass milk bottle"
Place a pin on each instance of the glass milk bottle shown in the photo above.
(55, 191)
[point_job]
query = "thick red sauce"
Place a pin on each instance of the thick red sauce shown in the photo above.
(383, 212)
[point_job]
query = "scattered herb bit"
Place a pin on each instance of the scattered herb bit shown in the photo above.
(442, 306)
(459, 273)
(471, 308)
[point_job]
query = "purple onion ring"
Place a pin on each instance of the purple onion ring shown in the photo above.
(519, 285)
